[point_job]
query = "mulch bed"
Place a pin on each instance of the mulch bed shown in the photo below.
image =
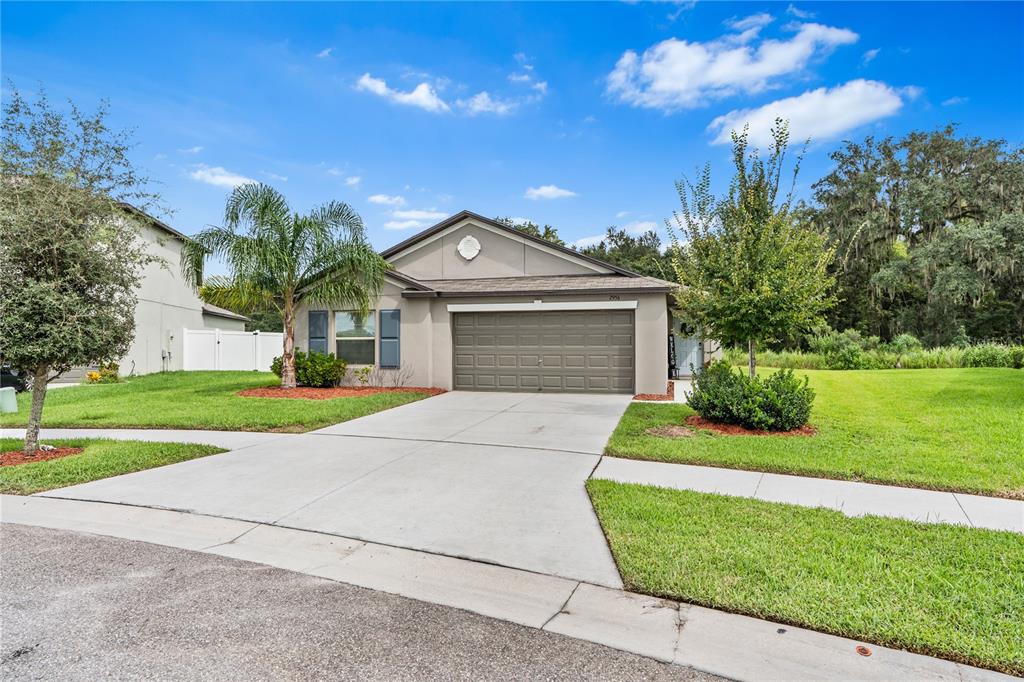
(699, 422)
(15, 457)
(668, 395)
(307, 393)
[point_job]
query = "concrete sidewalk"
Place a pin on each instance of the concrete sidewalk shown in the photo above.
(229, 440)
(712, 641)
(849, 497)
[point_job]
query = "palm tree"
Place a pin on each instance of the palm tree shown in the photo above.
(280, 259)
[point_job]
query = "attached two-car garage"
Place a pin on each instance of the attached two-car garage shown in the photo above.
(553, 350)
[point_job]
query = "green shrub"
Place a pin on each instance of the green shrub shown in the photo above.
(1017, 357)
(986, 355)
(315, 369)
(780, 402)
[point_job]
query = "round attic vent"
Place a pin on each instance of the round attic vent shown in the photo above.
(469, 247)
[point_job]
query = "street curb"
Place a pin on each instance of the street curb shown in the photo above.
(716, 642)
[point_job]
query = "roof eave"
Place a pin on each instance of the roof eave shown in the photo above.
(536, 292)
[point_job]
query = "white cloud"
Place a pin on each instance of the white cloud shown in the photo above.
(403, 224)
(818, 114)
(324, 53)
(275, 176)
(799, 13)
(548, 192)
(677, 74)
(753, 21)
(518, 220)
(541, 87)
(483, 103)
(353, 181)
(218, 176)
(520, 77)
(640, 226)
(386, 200)
(622, 214)
(584, 242)
(869, 56)
(422, 96)
(953, 101)
(419, 214)
(159, 157)
(191, 150)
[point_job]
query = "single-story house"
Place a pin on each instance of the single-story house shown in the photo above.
(473, 304)
(166, 305)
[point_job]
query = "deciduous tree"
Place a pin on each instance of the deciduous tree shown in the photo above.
(71, 255)
(749, 272)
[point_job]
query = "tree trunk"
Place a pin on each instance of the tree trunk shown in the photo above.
(752, 358)
(288, 358)
(35, 415)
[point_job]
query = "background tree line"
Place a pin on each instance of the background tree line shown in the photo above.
(928, 231)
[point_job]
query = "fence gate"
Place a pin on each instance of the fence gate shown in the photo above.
(224, 350)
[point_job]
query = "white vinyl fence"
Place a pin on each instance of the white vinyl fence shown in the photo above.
(217, 349)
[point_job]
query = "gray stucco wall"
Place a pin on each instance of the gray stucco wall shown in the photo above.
(426, 334)
(166, 305)
(501, 255)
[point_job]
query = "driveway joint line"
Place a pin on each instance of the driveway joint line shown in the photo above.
(758, 486)
(459, 442)
(234, 539)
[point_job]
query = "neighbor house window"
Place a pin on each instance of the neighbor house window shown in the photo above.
(355, 336)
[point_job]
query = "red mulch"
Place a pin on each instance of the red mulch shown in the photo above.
(14, 457)
(307, 393)
(669, 394)
(699, 422)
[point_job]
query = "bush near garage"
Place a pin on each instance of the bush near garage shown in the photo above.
(779, 402)
(320, 370)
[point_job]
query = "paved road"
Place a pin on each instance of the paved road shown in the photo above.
(82, 607)
(495, 477)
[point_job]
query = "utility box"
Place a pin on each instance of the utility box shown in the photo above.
(8, 401)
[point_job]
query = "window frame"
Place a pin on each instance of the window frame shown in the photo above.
(371, 319)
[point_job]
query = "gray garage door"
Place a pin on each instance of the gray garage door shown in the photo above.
(585, 351)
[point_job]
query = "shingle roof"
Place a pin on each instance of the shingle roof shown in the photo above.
(554, 284)
(222, 312)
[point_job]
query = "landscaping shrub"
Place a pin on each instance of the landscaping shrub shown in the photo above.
(780, 402)
(1017, 357)
(986, 355)
(319, 370)
(108, 374)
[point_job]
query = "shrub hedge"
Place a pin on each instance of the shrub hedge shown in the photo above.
(981, 355)
(315, 369)
(778, 402)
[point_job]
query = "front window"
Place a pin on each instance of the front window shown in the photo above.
(355, 336)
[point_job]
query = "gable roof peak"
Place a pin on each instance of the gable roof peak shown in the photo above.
(491, 222)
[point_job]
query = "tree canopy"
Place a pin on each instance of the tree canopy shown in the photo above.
(642, 253)
(749, 272)
(280, 259)
(531, 228)
(928, 231)
(70, 252)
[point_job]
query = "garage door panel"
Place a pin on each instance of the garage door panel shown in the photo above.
(549, 351)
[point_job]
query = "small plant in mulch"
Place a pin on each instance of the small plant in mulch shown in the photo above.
(15, 457)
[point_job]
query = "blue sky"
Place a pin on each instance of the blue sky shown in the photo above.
(579, 115)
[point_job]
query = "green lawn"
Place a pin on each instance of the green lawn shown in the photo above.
(947, 591)
(947, 429)
(198, 400)
(100, 459)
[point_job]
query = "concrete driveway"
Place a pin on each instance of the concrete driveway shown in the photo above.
(495, 477)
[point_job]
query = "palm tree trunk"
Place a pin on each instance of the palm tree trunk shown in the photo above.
(288, 358)
(35, 415)
(752, 358)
